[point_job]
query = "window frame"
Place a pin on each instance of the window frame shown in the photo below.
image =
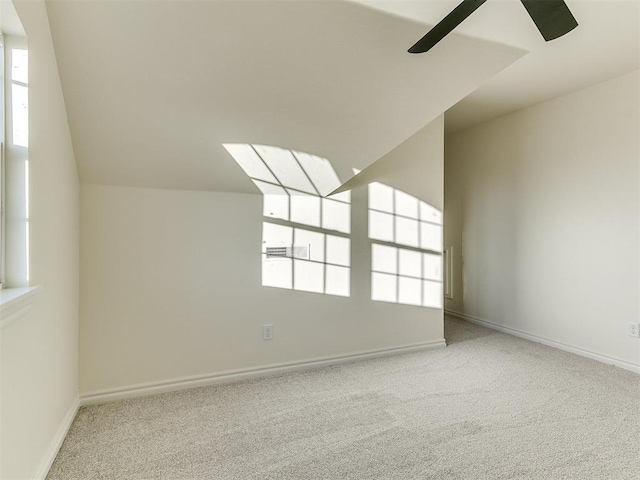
(14, 266)
(2, 163)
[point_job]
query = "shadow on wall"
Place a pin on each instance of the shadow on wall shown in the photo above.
(306, 243)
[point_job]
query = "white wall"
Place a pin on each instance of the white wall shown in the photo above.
(39, 351)
(542, 208)
(171, 286)
(414, 166)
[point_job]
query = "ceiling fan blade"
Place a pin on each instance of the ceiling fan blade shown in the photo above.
(448, 23)
(552, 17)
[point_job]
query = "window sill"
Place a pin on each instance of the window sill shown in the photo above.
(14, 303)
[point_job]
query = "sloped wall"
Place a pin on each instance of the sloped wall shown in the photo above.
(39, 365)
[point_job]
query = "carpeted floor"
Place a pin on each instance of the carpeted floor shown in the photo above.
(489, 406)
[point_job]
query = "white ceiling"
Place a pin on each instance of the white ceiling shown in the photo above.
(606, 44)
(154, 88)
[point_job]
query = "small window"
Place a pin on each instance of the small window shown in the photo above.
(14, 164)
(20, 97)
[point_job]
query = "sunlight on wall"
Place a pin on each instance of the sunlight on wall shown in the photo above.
(405, 276)
(411, 276)
(311, 259)
(397, 217)
(325, 270)
(292, 184)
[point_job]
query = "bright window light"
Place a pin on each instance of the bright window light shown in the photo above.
(417, 276)
(308, 276)
(305, 208)
(409, 261)
(432, 294)
(277, 273)
(275, 200)
(397, 217)
(292, 184)
(27, 225)
(406, 205)
(250, 162)
(432, 267)
(411, 275)
(20, 114)
(286, 168)
(407, 232)
(384, 287)
(380, 197)
(381, 226)
(20, 65)
(430, 214)
(319, 171)
(20, 97)
(338, 250)
(384, 259)
(409, 291)
(273, 234)
(337, 281)
(336, 215)
(430, 237)
(316, 242)
(325, 269)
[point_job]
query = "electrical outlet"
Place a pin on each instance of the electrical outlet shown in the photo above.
(634, 330)
(267, 332)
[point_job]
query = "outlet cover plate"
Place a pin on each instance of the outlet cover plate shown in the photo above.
(267, 332)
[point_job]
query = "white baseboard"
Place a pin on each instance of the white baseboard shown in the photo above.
(151, 388)
(545, 341)
(56, 442)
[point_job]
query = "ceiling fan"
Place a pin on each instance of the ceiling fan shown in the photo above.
(552, 17)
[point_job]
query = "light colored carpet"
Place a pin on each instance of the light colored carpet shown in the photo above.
(489, 406)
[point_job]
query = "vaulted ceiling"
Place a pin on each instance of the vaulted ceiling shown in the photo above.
(605, 45)
(154, 88)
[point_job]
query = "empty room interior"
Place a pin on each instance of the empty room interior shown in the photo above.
(320, 239)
